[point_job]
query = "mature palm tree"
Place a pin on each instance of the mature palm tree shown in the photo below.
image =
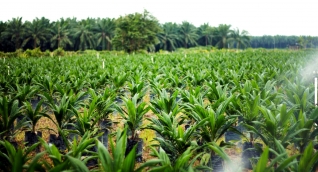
(241, 39)
(15, 31)
(5, 42)
(61, 34)
(205, 33)
(188, 34)
(84, 37)
(104, 32)
(223, 33)
(169, 36)
(38, 31)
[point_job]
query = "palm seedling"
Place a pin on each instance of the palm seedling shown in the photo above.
(63, 113)
(184, 162)
(165, 102)
(174, 138)
(306, 129)
(9, 111)
(118, 159)
(278, 124)
(46, 84)
(87, 119)
(25, 92)
(18, 159)
(137, 88)
(118, 82)
(132, 112)
(33, 115)
(73, 159)
(283, 162)
(212, 124)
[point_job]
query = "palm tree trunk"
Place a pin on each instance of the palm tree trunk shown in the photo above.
(108, 45)
(58, 42)
(103, 44)
(17, 46)
(206, 41)
(34, 44)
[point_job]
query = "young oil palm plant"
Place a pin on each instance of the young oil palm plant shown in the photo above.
(25, 92)
(46, 84)
(73, 159)
(87, 119)
(63, 112)
(282, 162)
(118, 159)
(132, 112)
(137, 88)
(307, 128)
(212, 124)
(165, 103)
(174, 138)
(33, 115)
(9, 111)
(19, 159)
(104, 106)
(184, 162)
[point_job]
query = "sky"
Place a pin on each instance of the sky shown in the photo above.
(258, 17)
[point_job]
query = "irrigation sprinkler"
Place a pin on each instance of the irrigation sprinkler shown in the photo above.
(8, 70)
(151, 59)
(97, 55)
(103, 64)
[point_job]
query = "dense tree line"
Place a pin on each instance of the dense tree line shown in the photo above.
(130, 33)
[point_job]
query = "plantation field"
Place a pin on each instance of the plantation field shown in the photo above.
(182, 111)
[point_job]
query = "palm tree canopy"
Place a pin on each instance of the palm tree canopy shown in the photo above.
(61, 34)
(38, 31)
(224, 31)
(169, 36)
(84, 37)
(206, 33)
(188, 34)
(104, 32)
(241, 39)
(15, 31)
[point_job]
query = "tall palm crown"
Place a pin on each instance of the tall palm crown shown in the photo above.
(15, 30)
(169, 36)
(224, 34)
(104, 32)
(84, 37)
(61, 34)
(188, 34)
(241, 39)
(205, 33)
(38, 31)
